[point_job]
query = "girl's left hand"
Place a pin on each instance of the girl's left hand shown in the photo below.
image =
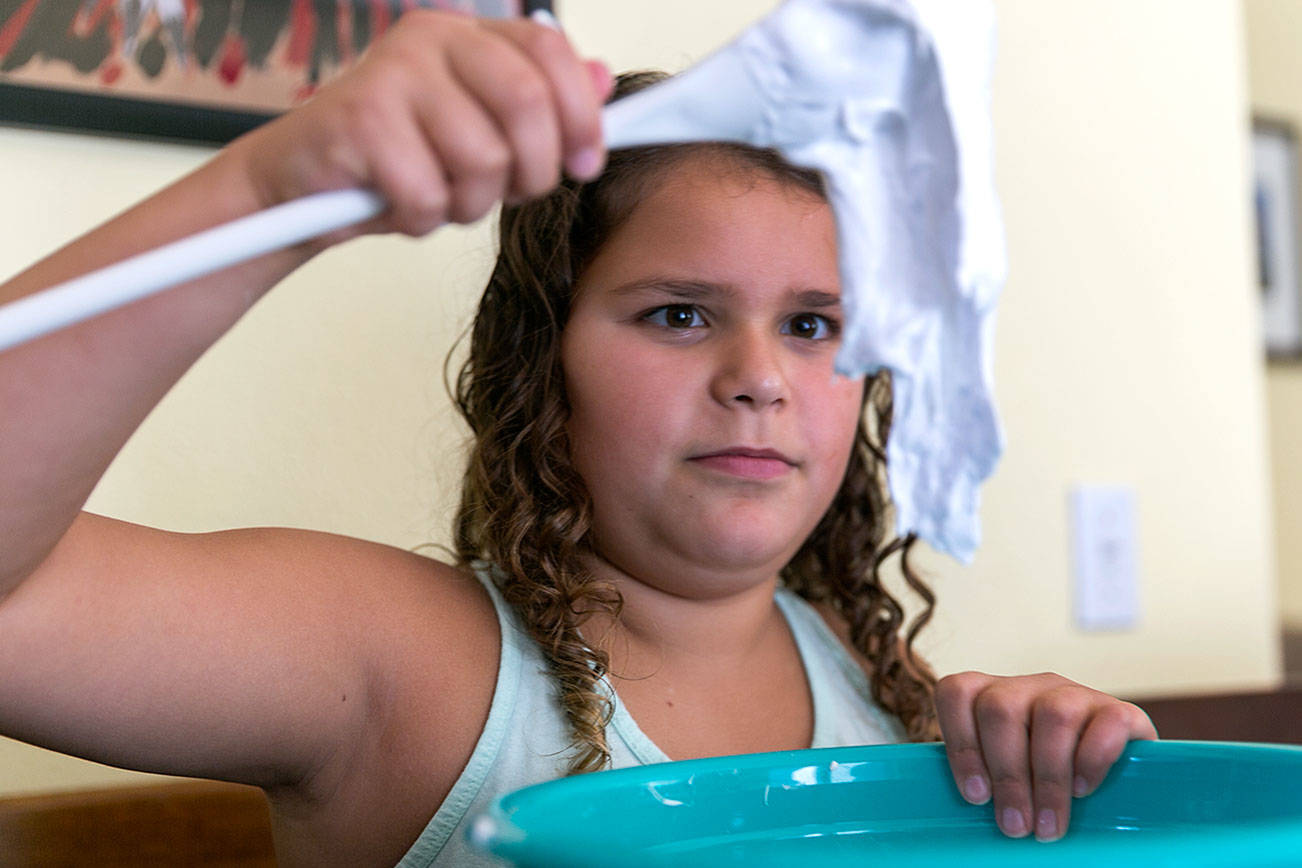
(1032, 742)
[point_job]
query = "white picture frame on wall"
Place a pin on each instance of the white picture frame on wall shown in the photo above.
(1274, 205)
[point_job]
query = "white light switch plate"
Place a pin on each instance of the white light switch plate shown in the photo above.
(1106, 561)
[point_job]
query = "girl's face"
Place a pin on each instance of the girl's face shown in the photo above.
(706, 420)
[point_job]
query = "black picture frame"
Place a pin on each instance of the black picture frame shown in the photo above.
(1275, 205)
(27, 100)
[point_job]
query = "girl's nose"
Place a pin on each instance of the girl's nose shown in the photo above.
(750, 372)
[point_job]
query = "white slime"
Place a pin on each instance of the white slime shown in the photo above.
(889, 100)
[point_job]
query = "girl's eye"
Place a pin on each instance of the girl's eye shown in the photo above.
(811, 326)
(676, 316)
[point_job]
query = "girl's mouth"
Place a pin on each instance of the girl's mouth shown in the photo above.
(746, 463)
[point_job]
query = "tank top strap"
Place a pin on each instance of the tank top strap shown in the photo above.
(642, 748)
(839, 686)
(496, 729)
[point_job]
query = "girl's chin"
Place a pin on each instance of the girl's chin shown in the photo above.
(708, 543)
(739, 553)
(704, 554)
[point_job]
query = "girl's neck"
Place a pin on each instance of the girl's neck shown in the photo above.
(658, 630)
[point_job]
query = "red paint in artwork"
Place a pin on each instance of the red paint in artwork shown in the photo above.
(344, 30)
(92, 35)
(302, 30)
(379, 18)
(88, 18)
(233, 59)
(9, 35)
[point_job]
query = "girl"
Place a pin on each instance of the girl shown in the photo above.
(664, 471)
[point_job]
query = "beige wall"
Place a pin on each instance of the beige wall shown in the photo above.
(1127, 351)
(1274, 33)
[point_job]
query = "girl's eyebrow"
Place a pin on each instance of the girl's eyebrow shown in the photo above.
(696, 290)
(692, 290)
(817, 298)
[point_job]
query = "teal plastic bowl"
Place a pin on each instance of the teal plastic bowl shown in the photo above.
(1164, 803)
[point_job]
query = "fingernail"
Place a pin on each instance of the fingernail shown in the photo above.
(585, 164)
(976, 790)
(1079, 787)
(1014, 823)
(1046, 826)
(546, 19)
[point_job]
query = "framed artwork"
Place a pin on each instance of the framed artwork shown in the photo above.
(1275, 201)
(194, 70)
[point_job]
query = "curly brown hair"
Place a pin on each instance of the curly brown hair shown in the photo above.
(525, 509)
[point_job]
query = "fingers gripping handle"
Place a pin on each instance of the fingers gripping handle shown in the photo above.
(659, 118)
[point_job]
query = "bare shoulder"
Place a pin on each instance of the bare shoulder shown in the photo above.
(367, 583)
(425, 639)
(348, 678)
(270, 656)
(366, 594)
(429, 636)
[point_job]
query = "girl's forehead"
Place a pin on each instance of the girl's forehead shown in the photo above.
(741, 235)
(727, 174)
(702, 202)
(725, 211)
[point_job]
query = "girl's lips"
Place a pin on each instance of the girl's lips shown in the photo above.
(747, 463)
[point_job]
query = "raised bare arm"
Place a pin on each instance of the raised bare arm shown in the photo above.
(221, 654)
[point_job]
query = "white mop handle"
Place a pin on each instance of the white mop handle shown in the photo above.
(211, 250)
(223, 246)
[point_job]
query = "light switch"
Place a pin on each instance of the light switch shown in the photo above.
(1104, 549)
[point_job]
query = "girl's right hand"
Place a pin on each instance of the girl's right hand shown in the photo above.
(445, 116)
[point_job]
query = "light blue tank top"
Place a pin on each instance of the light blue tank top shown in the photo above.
(526, 738)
